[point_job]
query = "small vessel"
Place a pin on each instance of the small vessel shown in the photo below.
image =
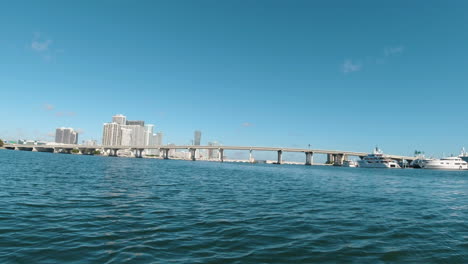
(463, 155)
(377, 160)
(419, 163)
(449, 163)
(420, 160)
(350, 164)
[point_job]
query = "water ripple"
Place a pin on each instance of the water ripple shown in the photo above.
(82, 209)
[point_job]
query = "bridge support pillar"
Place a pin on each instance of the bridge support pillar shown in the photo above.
(280, 157)
(338, 159)
(330, 158)
(166, 153)
(221, 155)
(251, 158)
(113, 152)
(309, 158)
(138, 153)
(193, 153)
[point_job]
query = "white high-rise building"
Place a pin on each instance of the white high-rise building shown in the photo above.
(112, 134)
(197, 138)
(158, 139)
(123, 132)
(126, 136)
(66, 136)
(119, 119)
(149, 135)
(137, 134)
(213, 153)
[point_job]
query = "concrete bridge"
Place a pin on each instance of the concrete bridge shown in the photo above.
(334, 157)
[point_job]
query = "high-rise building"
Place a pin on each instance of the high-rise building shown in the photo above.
(137, 134)
(66, 136)
(197, 138)
(135, 123)
(90, 142)
(126, 136)
(159, 139)
(127, 132)
(112, 134)
(149, 135)
(59, 135)
(119, 119)
(213, 153)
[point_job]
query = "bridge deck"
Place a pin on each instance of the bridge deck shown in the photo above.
(318, 151)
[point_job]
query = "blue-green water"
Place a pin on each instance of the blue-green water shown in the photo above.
(58, 208)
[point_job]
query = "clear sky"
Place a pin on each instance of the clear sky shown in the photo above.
(344, 75)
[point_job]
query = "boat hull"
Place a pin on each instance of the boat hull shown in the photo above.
(363, 164)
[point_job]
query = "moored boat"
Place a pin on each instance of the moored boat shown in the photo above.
(350, 164)
(449, 163)
(377, 160)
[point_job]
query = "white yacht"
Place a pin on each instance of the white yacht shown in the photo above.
(350, 164)
(378, 160)
(463, 155)
(449, 163)
(420, 161)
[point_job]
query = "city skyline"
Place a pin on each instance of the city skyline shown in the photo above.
(350, 78)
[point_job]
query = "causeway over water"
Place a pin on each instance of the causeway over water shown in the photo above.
(91, 209)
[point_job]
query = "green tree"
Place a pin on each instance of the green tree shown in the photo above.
(75, 151)
(1, 143)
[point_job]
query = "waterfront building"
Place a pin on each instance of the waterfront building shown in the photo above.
(65, 135)
(149, 135)
(112, 134)
(135, 123)
(197, 138)
(171, 151)
(90, 142)
(26, 142)
(158, 139)
(119, 119)
(213, 153)
(123, 132)
(137, 135)
(126, 136)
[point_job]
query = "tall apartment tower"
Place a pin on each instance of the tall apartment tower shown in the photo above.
(149, 135)
(59, 135)
(158, 139)
(197, 138)
(112, 134)
(126, 136)
(119, 119)
(66, 136)
(213, 153)
(135, 123)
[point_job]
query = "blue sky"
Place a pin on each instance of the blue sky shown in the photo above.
(334, 74)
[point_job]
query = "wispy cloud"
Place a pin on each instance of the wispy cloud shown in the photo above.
(49, 107)
(43, 46)
(349, 66)
(247, 124)
(390, 51)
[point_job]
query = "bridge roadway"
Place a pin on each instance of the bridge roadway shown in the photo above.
(333, 156)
